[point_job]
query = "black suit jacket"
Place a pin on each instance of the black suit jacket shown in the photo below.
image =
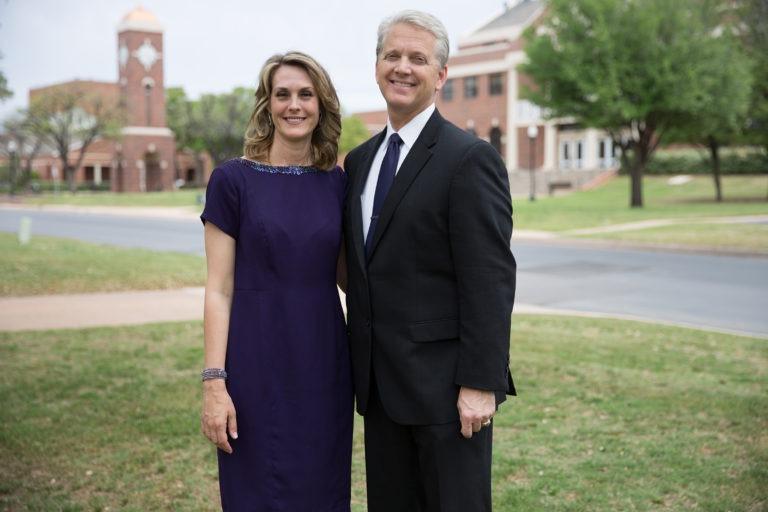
(429, 308)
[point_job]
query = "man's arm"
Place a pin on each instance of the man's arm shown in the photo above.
(480, 228)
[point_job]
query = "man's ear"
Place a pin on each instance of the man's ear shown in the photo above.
(441, 78)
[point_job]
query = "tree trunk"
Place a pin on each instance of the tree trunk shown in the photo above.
(636, 184)
(714, 151)
(69, 175)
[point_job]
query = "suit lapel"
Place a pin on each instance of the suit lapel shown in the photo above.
(417, 158)
(356, 209)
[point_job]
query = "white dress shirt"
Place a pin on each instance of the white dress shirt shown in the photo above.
(409, 133)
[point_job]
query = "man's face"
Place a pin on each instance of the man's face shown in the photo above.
(408, 72)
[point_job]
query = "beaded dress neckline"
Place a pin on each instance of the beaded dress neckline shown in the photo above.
(279, 169)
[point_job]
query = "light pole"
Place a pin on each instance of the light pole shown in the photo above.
(533, 132)
(12, 166)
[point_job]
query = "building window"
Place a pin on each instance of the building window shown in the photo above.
(470, 87)
(565, 155)
(495, 137)
(495, 84)
(579, 147)
(448, 90)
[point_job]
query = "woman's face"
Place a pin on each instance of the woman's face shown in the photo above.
(294, 105)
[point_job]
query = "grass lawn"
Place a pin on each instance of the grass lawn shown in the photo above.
(745, 236)
(57, 265)
(612, 416)
(183, 197)
(609, 204)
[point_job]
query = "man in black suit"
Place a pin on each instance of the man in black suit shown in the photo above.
(428, 222)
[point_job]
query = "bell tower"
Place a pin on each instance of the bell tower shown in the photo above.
(146, 151)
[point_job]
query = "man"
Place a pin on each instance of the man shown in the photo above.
(428, 223)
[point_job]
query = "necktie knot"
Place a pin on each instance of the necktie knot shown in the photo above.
(395, 140)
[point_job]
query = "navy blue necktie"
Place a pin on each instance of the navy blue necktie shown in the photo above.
(384, 183)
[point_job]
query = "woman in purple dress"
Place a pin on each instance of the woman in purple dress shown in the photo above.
(277, 392)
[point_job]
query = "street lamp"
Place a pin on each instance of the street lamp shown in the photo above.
(12, 147)
(533, 132)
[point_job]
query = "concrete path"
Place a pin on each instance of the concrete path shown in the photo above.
(70, 311)
(77, 311)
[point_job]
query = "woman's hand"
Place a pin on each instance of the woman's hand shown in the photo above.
(218, 416)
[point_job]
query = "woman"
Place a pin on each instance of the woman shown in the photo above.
(277, 393)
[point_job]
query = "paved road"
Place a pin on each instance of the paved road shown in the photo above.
(721, 292)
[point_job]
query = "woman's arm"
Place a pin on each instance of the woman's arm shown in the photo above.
(218, 414)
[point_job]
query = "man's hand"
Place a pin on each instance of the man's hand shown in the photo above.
(476, 407)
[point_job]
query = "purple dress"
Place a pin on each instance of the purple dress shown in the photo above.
(287, 353)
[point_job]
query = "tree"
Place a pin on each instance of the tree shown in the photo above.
(353, 133)
(753, 15)
(5, 92)
(69, 116)
(722, 113)
(18, 129)
(219, 121)
(214, 123)
(634, 68)
(179, 116)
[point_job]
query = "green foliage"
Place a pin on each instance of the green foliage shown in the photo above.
(754, 22)
(750, 163)
(5, 92)
(214, 122)
(635, 68)
(353, 133)
(610, 63)
(67, 116)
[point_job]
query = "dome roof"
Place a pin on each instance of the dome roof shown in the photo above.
(140, 19)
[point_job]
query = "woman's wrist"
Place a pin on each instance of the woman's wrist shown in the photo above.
(213, 374)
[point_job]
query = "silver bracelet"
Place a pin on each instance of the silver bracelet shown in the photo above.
(213, 373)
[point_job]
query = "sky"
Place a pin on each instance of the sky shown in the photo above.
(212, 46)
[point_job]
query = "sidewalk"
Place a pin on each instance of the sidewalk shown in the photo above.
(77, 311)
(69, 311)
(165, 212)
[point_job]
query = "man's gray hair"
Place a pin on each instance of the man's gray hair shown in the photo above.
(420, 20)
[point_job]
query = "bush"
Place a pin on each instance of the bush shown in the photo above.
(730, 163)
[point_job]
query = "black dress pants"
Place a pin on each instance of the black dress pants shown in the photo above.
(424, 468)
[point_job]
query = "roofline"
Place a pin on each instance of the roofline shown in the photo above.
(509, 33)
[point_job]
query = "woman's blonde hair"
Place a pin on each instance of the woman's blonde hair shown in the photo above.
(260, 132)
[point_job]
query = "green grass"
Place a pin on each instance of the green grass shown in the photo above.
(184, 197)
(612, 416)
(609, 204)
(54, 265)
(743, 236)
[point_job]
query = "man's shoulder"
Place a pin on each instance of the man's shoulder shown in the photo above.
(456, 141)
(362, 149)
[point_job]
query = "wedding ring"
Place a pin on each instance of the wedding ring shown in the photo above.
(487, 422)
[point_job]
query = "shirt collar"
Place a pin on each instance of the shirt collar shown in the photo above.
(410, 132)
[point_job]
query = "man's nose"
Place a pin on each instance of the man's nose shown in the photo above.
(403, 66)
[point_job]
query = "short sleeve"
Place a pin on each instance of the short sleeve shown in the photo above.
(222, 203)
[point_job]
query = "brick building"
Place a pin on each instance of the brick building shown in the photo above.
(145, 157)
(483, 96)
